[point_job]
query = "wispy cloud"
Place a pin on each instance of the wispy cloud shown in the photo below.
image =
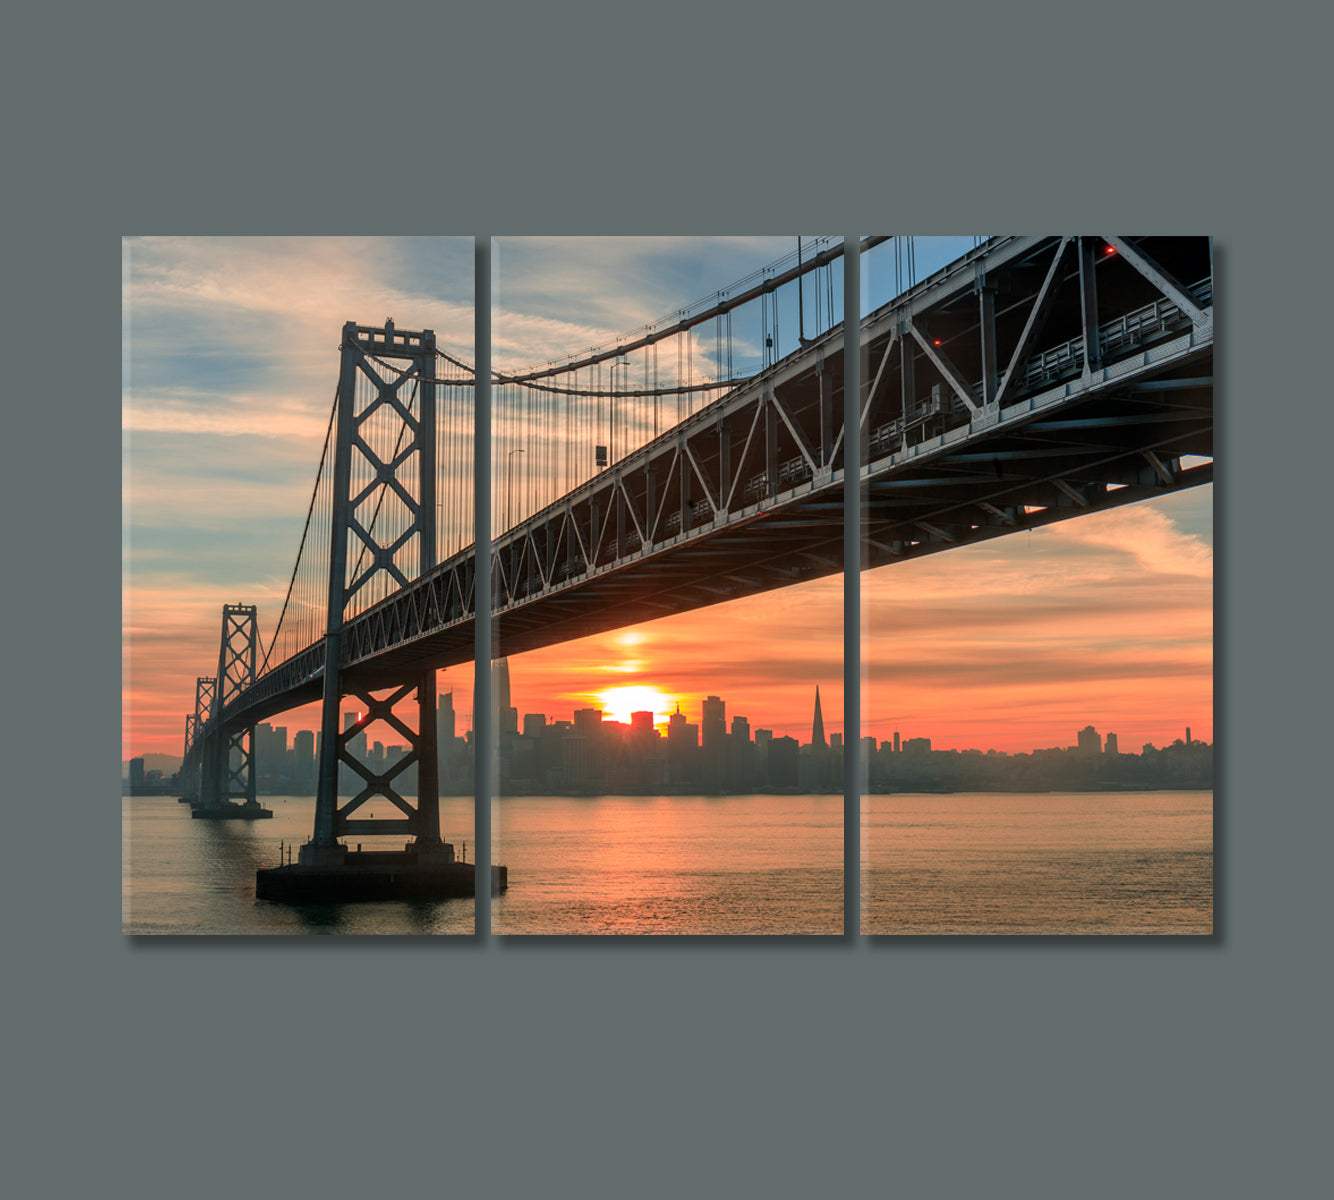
(1104, 619)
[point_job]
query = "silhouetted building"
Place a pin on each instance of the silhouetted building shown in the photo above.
(1110, 747)
(682, 749)
(583, 757)
(446, 720)
(303, 763)
(741, 775)
(817, 723)
(784, 765)
(271, 760)
(713, 743)
(507, 716)
(1090, 740)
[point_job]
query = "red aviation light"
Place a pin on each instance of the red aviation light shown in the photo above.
(937, 341)
(1110, 250)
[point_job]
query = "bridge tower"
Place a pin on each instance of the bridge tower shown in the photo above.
(185, 776)
(232, 770)
(199, 735)
(383, 535)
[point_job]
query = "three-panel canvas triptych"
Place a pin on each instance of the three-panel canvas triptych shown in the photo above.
(763, 533)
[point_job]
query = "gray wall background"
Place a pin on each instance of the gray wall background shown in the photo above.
(1056, 1068)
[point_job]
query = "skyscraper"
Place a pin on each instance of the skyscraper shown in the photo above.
(445, 720)
(303, 762)
(817, 725)
(1090, 740)
(682, 748)
(507, 716)
(713, 736)
(713, 726)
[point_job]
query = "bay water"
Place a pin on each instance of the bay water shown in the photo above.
(965, 863)
(182, 876)
(1045, 863)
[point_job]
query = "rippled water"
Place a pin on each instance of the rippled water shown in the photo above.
(971, 863)
(179, 875)
(670, 865)
(1054, 863)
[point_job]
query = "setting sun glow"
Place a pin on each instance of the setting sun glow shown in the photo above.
(619, 702)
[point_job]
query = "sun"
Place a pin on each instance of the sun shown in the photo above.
(619, 702)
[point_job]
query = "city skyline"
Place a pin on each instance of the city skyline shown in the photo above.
(815, 723)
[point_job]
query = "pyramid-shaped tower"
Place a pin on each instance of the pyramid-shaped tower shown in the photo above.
(817, 726)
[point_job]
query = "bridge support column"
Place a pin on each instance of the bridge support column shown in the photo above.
(986, 293)
(428, 768)
(908, 390)
(770, 446)
(1088, 305)
(323, 845)
(201, 761)
(826, 416)
(685, 489)
(210, 782)
(724, 467)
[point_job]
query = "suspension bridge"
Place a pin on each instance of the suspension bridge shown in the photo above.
(1031, 380)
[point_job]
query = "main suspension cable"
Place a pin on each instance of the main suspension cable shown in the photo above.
(324, 453)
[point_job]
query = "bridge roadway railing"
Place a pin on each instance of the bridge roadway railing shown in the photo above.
(773, 449)
(1144, 327)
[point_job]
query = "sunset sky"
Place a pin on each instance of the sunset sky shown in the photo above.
(230, 362)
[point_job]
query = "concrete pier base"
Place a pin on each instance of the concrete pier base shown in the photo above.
(230, 812)
(335, 874)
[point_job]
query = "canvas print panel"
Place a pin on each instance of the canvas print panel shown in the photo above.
(298, 473)
(1037, 441)
(668, 595)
